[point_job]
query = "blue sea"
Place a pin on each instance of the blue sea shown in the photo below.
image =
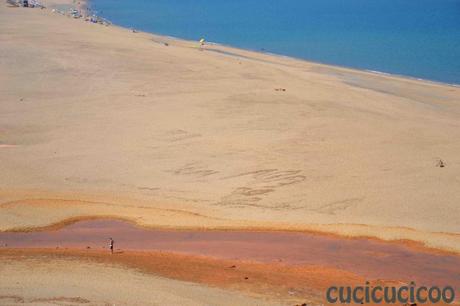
(416, 38)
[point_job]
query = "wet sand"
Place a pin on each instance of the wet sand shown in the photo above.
(365, 259)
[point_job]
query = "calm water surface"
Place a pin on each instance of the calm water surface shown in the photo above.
(418, 38)
(370, 258)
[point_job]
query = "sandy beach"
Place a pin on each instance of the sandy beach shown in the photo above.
(97, 121)
(70, 281)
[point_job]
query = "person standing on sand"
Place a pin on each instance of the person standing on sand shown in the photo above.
(111, 245)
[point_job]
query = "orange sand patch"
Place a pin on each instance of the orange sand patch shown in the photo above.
(303, 284)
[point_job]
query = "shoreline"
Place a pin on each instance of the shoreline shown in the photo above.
(87, 4)
(281, 56)
(312, 62)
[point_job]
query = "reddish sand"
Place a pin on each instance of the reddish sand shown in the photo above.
(370, 259)
(302, 283)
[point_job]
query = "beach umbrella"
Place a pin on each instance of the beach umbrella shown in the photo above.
(202, 42)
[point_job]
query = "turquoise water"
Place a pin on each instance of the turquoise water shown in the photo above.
(417, 38)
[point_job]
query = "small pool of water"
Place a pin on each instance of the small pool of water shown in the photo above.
(370, 258)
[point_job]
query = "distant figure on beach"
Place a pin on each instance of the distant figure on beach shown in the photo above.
(111, 245)
(202, 43)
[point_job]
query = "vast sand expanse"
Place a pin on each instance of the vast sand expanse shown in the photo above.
(101, 121)
(98, 120)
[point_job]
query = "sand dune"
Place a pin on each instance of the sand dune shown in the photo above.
(101, 121)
